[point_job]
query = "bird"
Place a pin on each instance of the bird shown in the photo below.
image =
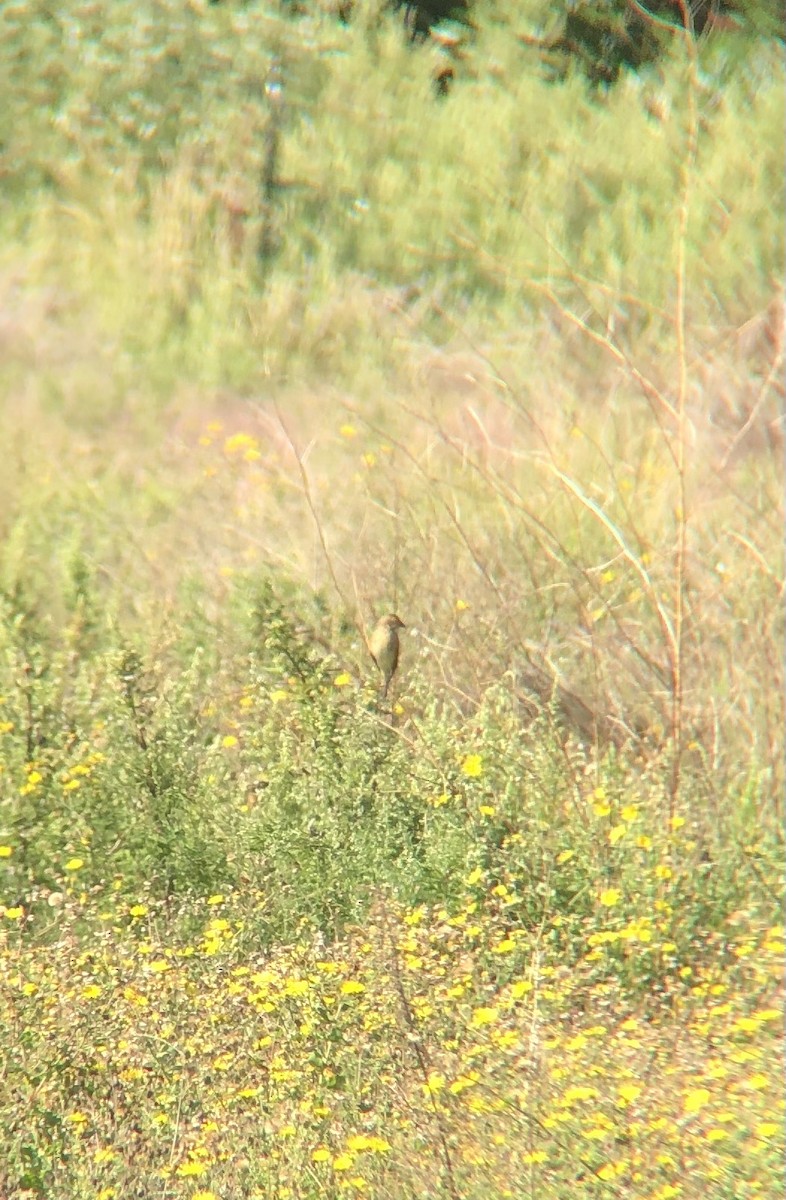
(383, 645)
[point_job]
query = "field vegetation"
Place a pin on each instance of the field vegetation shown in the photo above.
(288, 340)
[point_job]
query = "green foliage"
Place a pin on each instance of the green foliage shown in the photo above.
(155, 182)
(123, 762)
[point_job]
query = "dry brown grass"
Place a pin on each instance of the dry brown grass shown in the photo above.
(517, 502)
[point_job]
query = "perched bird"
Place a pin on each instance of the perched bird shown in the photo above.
(383, 645)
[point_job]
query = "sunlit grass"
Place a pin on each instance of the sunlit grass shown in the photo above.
(518, 933)
(433, 1049)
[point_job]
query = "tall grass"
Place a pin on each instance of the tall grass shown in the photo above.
(512, 185)
(510, 365)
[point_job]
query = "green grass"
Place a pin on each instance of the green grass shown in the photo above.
(513, 372)
(514, 184)
(445, 1051)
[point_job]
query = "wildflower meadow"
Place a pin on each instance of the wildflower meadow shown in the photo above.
(310, 313)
